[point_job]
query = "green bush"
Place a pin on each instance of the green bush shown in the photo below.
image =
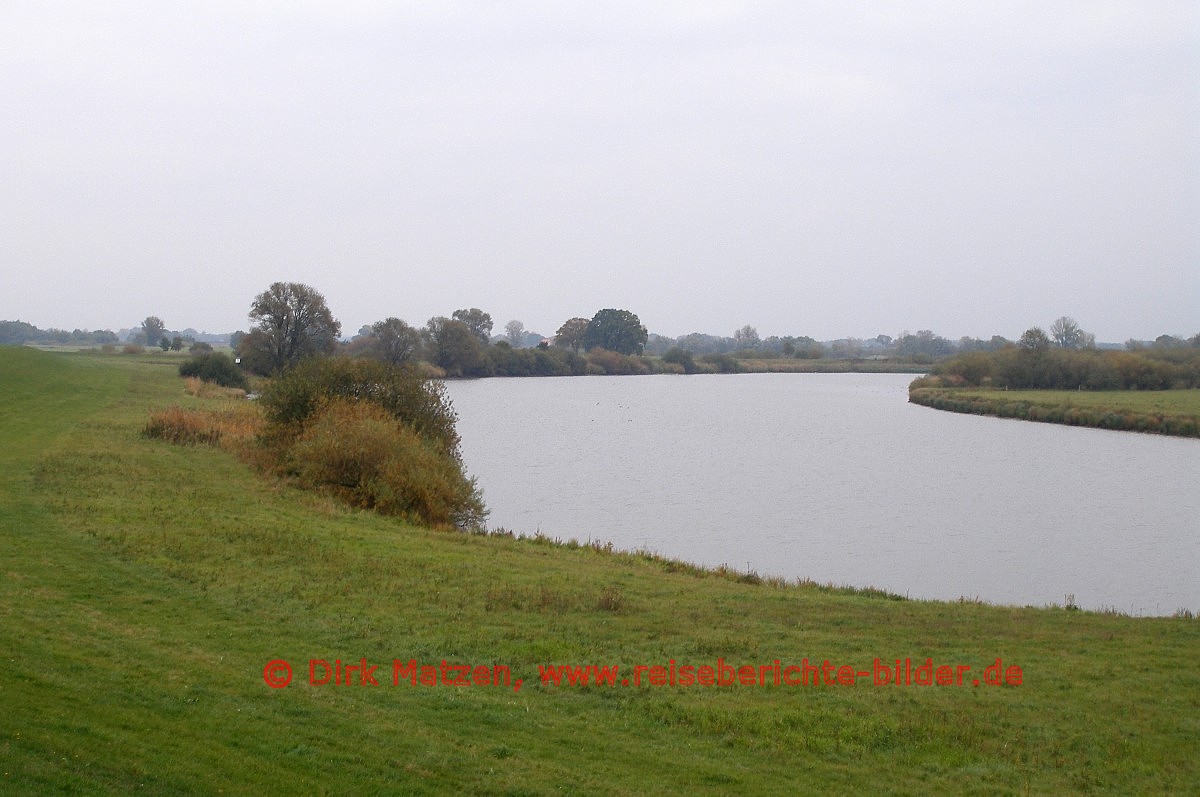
(1097, 417)
(215, 366)
(680, 357)
(604, 361)
(377, 435)
(723, 363)
(1068, 369)
(291, 399)
(507, 361)
(364, 455)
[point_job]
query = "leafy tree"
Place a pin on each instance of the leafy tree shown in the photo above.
(1034, 339)
(17, 332)
(701, 343)
(164, 343)
(1063, 332)
(747, 337)
(253, 353)
(570, 334)
(774, 345)
(22, 332)
(152, 330)
(393, 341)
(808, 348)
(453, 347)
(1066, 334)
(1169, 342)
(293, 322)
(515, 332)
(176, 343)
(616, 330)
(479, 322)
(925, 343)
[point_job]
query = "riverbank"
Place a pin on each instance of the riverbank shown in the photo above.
(1169, 412)
(168, 586)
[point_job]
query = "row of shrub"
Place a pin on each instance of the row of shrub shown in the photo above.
(111, 348)
(1070, 369)
(502, 360)
(1158, 423)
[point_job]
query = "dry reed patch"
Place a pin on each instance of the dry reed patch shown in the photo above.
(233, 428)
(195, 386)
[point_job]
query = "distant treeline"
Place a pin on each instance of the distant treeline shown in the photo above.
(466, 357)
(294, 322)
(1029, 366)
(20, 332)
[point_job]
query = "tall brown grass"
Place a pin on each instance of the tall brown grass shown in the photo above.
(195, 386)
(234, 427)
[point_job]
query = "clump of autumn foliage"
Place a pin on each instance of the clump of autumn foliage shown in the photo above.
(375, 435)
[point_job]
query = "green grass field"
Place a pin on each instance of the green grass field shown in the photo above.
(1172, 412)
(1176, 402)
(144, 588)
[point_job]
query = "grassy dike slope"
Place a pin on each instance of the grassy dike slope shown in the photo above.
(144, 587)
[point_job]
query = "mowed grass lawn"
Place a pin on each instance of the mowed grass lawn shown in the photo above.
(145, 587)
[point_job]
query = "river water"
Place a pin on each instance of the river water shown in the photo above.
(838, 479)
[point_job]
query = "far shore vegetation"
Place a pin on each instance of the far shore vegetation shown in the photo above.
(972, 375)
(1144, 388)
(292, 321)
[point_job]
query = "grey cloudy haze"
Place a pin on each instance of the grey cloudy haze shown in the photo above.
(825, 169)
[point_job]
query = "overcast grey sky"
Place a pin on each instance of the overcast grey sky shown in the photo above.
(810, 168)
